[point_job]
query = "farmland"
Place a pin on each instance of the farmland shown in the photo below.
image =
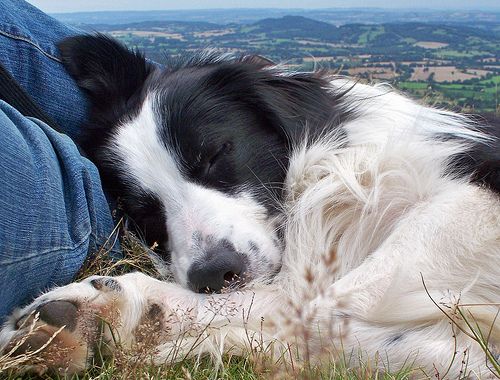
(454, 63)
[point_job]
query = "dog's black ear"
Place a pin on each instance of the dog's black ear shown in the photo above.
(306, 105)
(106, 70)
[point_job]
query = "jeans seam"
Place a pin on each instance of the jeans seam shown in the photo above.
(64, 248)
(24, 39)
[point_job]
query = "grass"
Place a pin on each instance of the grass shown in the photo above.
(232, 368)
(128, 364)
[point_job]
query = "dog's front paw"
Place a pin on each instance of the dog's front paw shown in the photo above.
(62, 329)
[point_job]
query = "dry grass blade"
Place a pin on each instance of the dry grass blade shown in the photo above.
(472, 328)
(12, 360)
(136, 257)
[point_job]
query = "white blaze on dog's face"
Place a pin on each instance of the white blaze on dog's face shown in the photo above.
(198, 151)
(216, 238)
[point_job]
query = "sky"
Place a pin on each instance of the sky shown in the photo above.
(53, 6)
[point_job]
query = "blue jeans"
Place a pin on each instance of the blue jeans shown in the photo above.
(53, 211)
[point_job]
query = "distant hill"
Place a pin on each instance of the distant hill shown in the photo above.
(152, 25)
(296, 33)
(378, 35)
(295, 27)
(293, 22)
(336, 16)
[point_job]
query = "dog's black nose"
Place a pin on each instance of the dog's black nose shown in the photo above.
(221, 267)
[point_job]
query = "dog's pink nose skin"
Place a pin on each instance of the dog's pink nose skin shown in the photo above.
(220, 267)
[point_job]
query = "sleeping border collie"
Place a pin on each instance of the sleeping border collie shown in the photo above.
(299, 210)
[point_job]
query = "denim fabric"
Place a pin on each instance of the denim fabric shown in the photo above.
(28, 51)
(53, 211)
(52, 208)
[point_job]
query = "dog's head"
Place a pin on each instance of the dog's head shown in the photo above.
(198, 151)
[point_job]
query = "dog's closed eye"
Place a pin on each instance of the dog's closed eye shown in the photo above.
(225, 149)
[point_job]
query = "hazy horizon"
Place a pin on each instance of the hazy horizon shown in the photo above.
(52, 6)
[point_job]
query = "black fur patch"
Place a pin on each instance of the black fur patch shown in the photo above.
(114, 79)
(233, 120)
(482, 162)
(233, 123)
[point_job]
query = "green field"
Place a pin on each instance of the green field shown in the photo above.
(460, 96)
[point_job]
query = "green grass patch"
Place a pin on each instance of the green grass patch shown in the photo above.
(450, 53)
(371, 34)
(413, 85)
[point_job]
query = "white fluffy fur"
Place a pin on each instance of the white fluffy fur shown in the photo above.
(381, 204)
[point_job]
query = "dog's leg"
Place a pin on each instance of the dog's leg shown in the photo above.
(169, 321)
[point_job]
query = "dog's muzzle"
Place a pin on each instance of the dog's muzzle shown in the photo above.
(221, 267)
